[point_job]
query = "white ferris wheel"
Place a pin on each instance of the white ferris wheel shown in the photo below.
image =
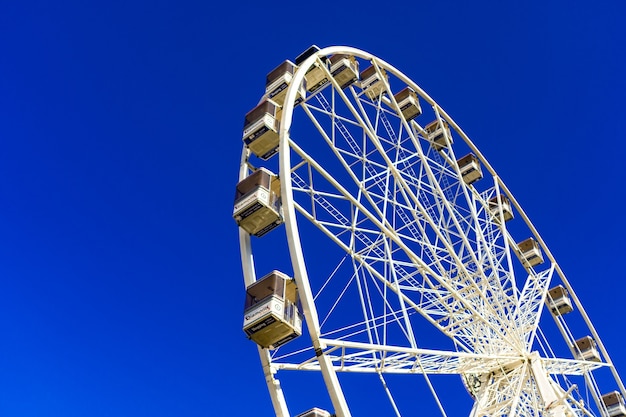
(382, 252)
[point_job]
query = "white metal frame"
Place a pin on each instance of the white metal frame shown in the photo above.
(420, 243)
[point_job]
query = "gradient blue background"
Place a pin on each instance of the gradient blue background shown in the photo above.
(120, 138)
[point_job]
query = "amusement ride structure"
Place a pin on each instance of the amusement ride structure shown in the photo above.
(377, 241)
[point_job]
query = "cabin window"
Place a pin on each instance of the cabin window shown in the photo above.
(266, 287)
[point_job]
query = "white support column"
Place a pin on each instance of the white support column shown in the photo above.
(273, 385)
(554, 404)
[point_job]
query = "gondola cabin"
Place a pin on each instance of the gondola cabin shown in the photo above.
(271, 312)
(373, 82)
(587, 349)
(558, 300)
(257, 207)
(315, 412)
(408, 102)
(260, 130)
(530, 252)
(278, 80)
(614, 403)
(501, 202)
(344, 69)
(316, 76)
(438, 133)
(469, 167)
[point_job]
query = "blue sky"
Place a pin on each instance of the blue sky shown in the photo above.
(121, 290)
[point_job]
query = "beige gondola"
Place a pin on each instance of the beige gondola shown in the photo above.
(408, 102)
(257, 208)
(373, 82)
(469, 167)
(316, 76)
(278, 80)
(530, 252)
(271, 313)
(439, 134)
(260, 129)
(501, 201)
(558, 300)
(344, 69)
(614, 403)
(315, 412)
(587, 349)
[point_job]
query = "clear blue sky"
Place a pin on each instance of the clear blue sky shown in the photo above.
(120, 136)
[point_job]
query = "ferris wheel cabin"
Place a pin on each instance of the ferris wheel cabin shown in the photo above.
(408, 102)
(373, 82)
(271, 313)
(614, 403)
(278, 80)
(344, 69)
(439, 134)
(315, 78)
(559, 301)
(260, 130)
(530, 252)
(469, 166)
(257, 207)
(587, 349)
(501, 201)
(315, 412)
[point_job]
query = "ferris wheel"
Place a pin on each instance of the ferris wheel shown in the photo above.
(384, 257)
